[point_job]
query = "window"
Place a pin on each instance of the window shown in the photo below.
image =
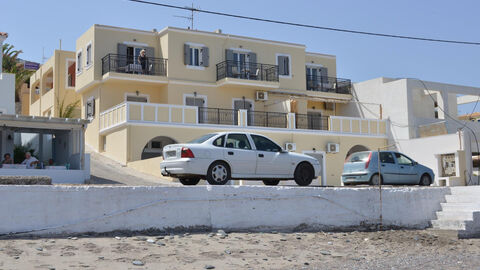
(90, 108)
(203, 139)
(386, 157)
(264, 144)
(79, 62)
(238, 141)
(283, 62)
(403, 160)
(156, 145)
(88, 56)
(358, 157)
(71, 73)
(196, 55)
(219, 142)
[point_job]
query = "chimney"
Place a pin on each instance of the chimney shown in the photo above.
(218, 31)
(3, 36)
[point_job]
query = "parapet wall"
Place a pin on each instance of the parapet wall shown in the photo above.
(76, 209)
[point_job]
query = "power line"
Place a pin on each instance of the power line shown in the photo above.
(308, 25)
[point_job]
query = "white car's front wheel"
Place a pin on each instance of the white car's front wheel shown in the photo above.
(304, 174)
(218, 173)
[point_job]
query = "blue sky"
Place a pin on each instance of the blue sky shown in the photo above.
(40, 24)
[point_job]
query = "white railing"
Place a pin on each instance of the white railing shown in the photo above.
(356, 125)
(140, 112)
(114, 116)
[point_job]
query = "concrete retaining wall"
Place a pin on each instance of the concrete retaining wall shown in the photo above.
(68, 209)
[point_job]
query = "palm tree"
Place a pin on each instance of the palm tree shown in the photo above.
(10, 65)
(68, 110)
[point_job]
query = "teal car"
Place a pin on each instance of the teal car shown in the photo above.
(395, 169)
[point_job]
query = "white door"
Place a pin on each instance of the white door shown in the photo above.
(239, 153)
(270, 158)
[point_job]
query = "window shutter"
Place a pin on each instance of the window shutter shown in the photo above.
(286, 63)
(205, 57)
(252, 57)
(186, 54)
(93, 107)
(122, 51)
(324, 73)
(150, 52)
(229, 55)
(281, 65)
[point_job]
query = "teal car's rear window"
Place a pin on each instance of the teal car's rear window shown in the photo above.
(358, 157)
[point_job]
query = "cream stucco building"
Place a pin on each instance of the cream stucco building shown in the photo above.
(194, 82)
(52, 87)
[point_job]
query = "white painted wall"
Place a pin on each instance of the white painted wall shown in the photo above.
(68, 209)
(406, 103)
(423, 150)
(7, 92)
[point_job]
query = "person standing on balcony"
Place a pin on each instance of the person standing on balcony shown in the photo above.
(142, 60)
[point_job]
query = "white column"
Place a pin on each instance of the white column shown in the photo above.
(2, 39)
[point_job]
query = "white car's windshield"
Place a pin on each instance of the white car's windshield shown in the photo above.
(203, 138)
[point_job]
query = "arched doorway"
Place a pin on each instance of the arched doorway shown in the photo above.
(356, 148)
(155, 146)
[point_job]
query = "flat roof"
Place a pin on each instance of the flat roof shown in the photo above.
(40, 122)
(224, 35)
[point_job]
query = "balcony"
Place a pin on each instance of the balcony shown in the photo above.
(314, 122)
(128, 68)
(217, 116)
(329, 84)
(188, 116)
(257, 75)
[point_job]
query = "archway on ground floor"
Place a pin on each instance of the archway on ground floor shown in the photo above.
(355, 149)
(154, 147)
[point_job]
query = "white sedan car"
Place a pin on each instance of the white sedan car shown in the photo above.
(220, 157)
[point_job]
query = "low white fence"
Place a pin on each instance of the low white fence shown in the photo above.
(76, 209)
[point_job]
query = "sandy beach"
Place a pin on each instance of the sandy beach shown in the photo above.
(223, 250)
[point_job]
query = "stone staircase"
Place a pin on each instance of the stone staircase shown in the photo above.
(460, 212)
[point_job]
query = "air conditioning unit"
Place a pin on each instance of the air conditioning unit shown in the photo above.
(262, 95)
(290, 147)
(333, 147)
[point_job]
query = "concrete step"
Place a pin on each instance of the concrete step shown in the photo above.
(468, 190)
(462, 198)
(446, 224)
(455, 215)
(460, 206)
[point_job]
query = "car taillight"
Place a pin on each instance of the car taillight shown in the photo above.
(368, 160)
(187, 153)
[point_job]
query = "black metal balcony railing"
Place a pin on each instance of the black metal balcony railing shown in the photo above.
(217, 116)
(329, 84)
(308, 121)
(267, 119)
(127, 64)
(247, 71)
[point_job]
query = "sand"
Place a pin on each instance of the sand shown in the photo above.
(273, 250)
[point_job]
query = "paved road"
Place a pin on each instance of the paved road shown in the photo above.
(105, 171)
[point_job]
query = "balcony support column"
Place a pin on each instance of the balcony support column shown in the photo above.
(291, 121)
(242, 118)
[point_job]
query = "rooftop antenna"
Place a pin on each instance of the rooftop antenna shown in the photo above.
(190, 18)
(43, 55)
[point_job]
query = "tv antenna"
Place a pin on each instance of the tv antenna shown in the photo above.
(190, 18)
